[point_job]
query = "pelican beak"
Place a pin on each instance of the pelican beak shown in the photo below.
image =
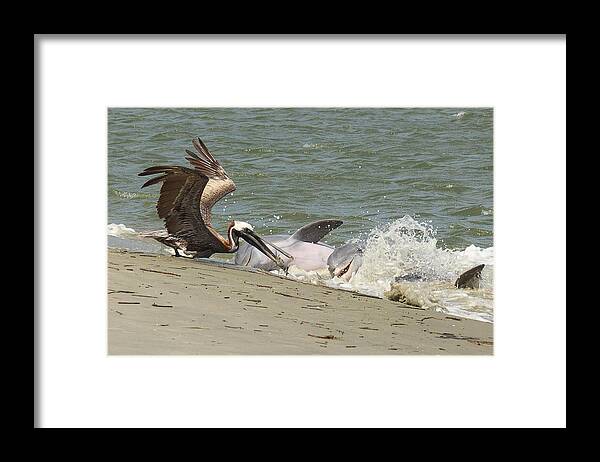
(253, 239)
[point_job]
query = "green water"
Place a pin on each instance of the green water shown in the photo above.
(366, 166)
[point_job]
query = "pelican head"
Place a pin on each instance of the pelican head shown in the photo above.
(185, 205)
(242, 226)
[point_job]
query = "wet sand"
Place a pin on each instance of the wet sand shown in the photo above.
(162, 305)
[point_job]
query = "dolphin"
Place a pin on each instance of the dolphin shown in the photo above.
(307, 252)
(304, 246)
(470, 279)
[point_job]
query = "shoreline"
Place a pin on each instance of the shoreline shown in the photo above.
(162, 305)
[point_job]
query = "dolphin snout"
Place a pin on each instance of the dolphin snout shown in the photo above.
(345, 261)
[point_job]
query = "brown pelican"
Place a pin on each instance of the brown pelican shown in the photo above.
(187, 196)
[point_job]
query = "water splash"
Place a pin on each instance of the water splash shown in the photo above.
(409, 248)
(120, 230)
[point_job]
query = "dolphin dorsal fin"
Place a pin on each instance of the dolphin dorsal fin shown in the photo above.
(314, 232)
(466, 279)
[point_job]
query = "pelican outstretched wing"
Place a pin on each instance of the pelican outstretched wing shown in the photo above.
(187, 196)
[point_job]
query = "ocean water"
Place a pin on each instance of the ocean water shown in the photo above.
(413, 185)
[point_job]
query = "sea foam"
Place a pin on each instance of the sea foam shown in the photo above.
(120, 230)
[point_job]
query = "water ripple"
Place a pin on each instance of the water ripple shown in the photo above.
(366, 166)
